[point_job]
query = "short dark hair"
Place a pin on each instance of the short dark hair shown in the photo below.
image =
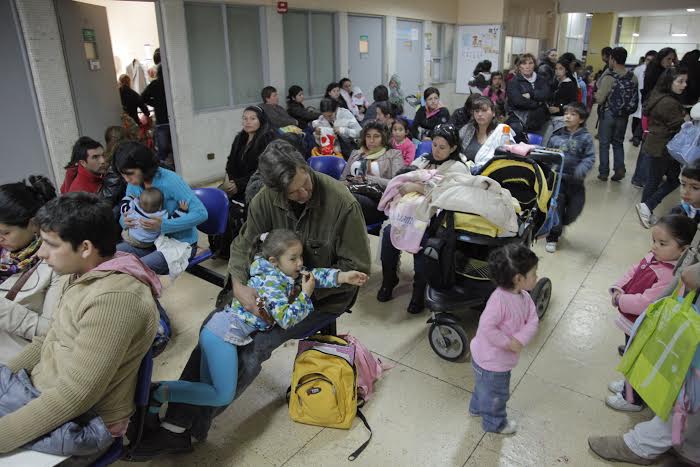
(380, 93)
(430, 91)
(76, 217)
(568, 56)
(651, 53)
(619, 54)
(668, 76)
(19, 202)
(691, 171)
(331, 87)
(80, 149)
(132, 155)
(682, 228)
(388, 108)
(278, 165)
(508, 261)
(266, 93)
(328, 105)
(606, 51)
(403, 122)
(374, 125)
(578, 108)
(293, 92)
(343, 81)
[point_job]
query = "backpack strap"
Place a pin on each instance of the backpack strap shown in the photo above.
(359, 450)
(23, 278)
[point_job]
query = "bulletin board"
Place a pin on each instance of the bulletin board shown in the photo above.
(476, 43)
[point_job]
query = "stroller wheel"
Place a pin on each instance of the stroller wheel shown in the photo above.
(541, 295)
(449, 341)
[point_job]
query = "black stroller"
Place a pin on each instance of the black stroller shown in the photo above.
(458, 248)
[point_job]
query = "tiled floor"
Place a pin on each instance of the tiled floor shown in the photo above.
(419, 413)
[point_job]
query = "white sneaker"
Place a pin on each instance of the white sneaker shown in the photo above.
(510, 428)
(550, 247)
(617, 387)
(618, 402)
(644, 214)
(652, 221)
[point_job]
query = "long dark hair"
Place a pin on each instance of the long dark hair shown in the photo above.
(132, 155)
(449, 133)
(665, 81)
(19, 202)
(654, 69)
(329, 88)
(294, 90)
(261, 139)
(482, 102)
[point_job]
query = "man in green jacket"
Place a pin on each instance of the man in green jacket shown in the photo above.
(104, 324)
(330, 222)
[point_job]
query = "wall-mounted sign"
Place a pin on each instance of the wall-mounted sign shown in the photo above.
(90, 48)
(364, 44)
(282, 7)
(89, 35)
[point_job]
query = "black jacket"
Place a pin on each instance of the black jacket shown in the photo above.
(154, 95)
(459, 118)
(242, 162)
(303, 115)
(565, 94)
(131, 102)
(427, 124)
(533, 108)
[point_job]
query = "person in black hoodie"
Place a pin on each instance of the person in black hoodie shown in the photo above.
(131, 100)
(432, 114)
(566, 91)
(528, 94)
(296, 109)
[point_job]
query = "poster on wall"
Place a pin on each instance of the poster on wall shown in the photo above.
(476, 43)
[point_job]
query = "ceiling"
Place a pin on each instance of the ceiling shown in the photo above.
(678, 12)
(603, 6)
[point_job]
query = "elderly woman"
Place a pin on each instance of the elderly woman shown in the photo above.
(29, 288)
(528, 94)
(432, 114)
(445, 158)
(375, 163)
(329, 221)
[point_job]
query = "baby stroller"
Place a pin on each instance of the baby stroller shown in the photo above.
(459, 246)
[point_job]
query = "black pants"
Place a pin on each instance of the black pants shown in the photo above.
(572, 198)
(250, 359)
(369, 209)
(637, 130)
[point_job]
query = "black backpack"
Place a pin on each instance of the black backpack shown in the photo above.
(624, 96)
(440, 252)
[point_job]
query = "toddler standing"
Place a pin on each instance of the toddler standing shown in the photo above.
(507, 324)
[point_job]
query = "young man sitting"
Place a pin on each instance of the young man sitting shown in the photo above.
(104, 324)
(87, 167)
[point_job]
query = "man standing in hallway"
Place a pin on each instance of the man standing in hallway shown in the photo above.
(617, 98)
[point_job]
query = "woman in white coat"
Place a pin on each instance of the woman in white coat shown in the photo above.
(29, 288)
(342, 121)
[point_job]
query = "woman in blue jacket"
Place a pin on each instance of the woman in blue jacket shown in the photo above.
(139, 167)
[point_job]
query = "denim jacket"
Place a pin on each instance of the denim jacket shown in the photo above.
(578, 149)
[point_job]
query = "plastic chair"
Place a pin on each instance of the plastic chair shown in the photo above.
(117, 450)
(216, 202)
(534, 138)
(330, 165)
(424, 147)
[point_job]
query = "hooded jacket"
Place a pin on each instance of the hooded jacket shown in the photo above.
(85, 181)
(666, 115)
(578, 149)
(104, 324)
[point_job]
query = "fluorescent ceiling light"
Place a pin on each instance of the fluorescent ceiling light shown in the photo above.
(589, 15)
(690, 10)
(635, 34)
(680, 35)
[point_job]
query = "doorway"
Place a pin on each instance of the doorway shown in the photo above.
(366, 51)
(409, 58)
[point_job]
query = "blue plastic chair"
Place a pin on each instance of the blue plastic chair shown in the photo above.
(117, 450)
(216, 203)
(330, 165)
(424, 147)
(534, 138)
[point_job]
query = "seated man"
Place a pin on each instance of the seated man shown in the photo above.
(87, 167)
(330, 223)
(104, 324)
(276, 113)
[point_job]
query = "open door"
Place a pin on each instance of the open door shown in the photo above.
(87, 48)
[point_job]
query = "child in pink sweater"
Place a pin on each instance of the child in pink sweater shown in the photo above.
(507, 324)
(400, 140)
(642, 285)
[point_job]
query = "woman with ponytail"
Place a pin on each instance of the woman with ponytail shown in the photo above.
(28, 286)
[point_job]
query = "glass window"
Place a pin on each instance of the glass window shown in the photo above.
(207, 50)
(443, 38)
(209, 35)
(309, 52)
(296, 50)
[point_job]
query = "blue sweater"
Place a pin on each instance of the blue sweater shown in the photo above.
(174, 189)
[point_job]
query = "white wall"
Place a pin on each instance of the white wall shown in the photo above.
(132, 26)
(655, 33)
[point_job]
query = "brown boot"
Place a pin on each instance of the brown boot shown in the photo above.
(613, 448)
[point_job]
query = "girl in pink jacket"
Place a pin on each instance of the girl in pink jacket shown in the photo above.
(642, 285)
(507, 324)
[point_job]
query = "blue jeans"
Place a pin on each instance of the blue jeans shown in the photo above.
(611, 130)
(491, 392)
(642, 169)
(656, 188)
(218, 373)
(151, 257)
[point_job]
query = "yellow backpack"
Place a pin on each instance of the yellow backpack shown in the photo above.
(324, 385)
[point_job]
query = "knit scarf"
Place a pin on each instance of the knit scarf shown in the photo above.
(13, 262)
(369, 157)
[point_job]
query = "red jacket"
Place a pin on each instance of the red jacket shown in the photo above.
(71, 172)
(85, 181)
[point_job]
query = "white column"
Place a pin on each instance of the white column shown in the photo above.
(275, 51)
(341, 43)
(389, 47)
